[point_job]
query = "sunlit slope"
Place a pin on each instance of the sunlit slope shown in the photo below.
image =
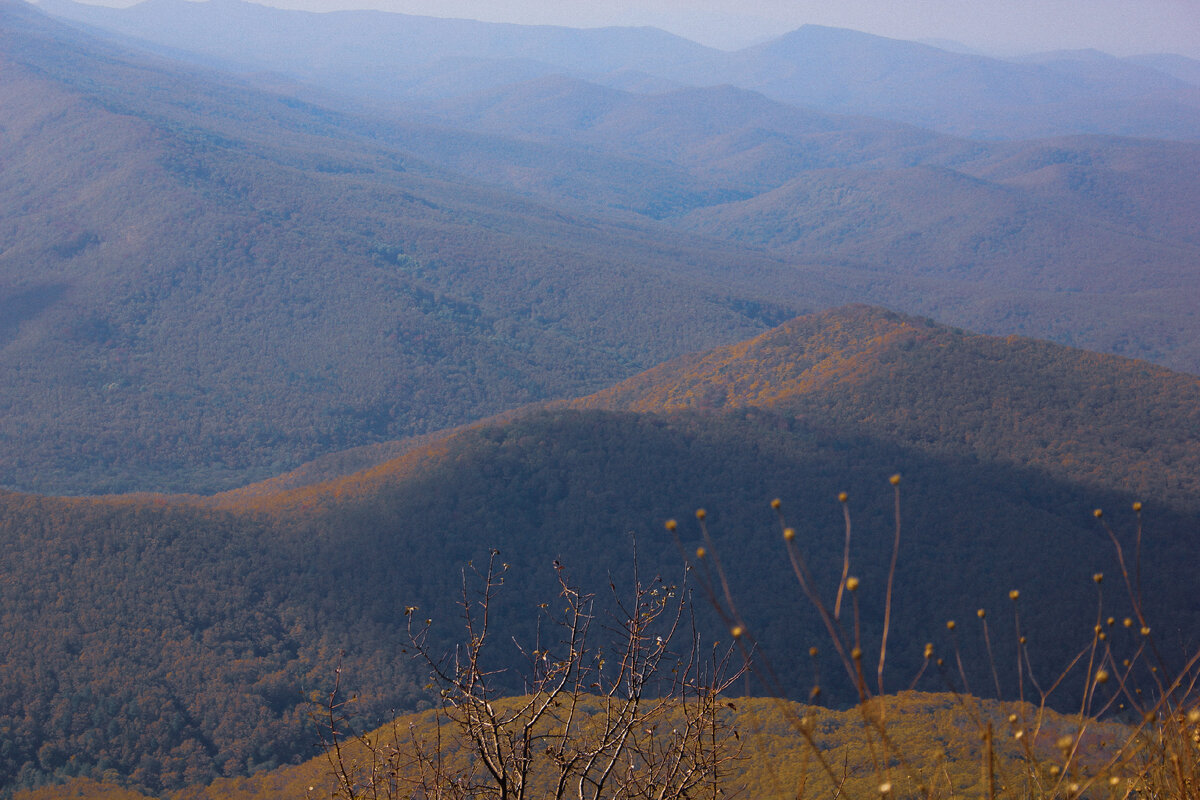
(1101, 420)
(203, 285)
(937, 733)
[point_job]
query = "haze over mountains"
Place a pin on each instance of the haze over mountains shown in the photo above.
(221, 283)
(371, 294)
(380, 55)
(195, 260)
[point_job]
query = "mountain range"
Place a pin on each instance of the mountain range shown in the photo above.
(189, 262)
(216, 283)
(380, 55)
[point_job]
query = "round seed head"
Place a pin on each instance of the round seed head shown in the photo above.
(776, 503)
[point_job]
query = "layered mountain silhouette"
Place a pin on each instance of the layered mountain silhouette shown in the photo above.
(205, 284)
(392, 55)
(197, 627)
(374, 297)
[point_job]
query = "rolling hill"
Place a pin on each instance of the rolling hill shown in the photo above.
(1083, 240)
(192, 629)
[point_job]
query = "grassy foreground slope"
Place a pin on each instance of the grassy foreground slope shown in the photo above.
(938, 733)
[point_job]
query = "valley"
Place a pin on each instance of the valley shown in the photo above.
(291, 343)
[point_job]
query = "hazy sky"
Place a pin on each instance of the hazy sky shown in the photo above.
(1121, 27)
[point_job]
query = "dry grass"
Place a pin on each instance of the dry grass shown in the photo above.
(1136, 732)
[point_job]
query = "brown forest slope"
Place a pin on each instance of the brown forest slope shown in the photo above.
(1098, 419)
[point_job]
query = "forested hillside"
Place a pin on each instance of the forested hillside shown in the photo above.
(1089, 418)
(191, 630)
(217, 284)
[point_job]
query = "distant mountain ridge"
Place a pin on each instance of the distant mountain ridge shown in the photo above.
(382, 55)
